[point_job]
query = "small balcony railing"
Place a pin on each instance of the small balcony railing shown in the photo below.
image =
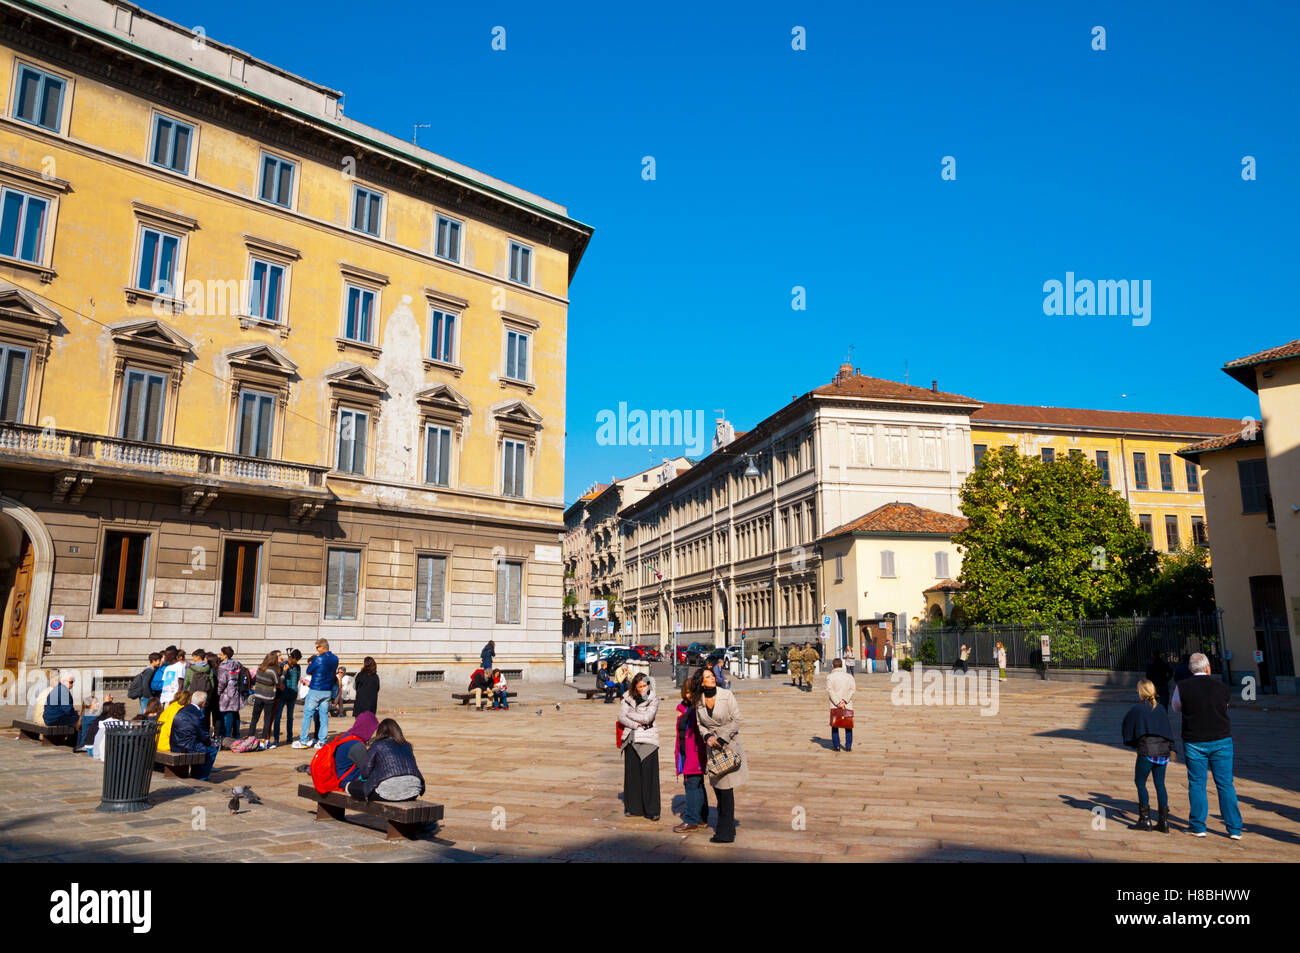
(72, 449)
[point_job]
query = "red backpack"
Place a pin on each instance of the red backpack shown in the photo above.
(324, 777)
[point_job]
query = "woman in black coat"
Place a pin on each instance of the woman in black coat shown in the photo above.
(1147, 730)
(366, 686)
(390, 772)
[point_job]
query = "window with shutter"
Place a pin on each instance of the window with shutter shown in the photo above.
(887, 563)
(1253, 476)
(512, 477)
(941, 565)
(343, 570)
(509, 594)
(430, 582)
(437, 456)
(13, 378)
(1166, 471)
(256, 416)
(353, 426)
(142, 406)
(22, 227)
(448, 239)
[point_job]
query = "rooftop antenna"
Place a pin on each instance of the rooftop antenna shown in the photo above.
(848, 358)
(905, 379)
(415, 135)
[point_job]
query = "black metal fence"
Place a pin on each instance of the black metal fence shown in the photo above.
(1120, 644)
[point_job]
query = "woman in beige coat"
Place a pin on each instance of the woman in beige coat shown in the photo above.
(718, 715)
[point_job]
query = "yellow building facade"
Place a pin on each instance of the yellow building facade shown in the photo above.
(1136, 452)
(236, 321)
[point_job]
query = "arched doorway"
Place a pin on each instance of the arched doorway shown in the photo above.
(26, 576)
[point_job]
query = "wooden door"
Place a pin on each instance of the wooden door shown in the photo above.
(16, 616)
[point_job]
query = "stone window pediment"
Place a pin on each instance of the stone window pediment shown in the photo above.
(153, 346)
(518, 421)
(356, 385)
(443, 405)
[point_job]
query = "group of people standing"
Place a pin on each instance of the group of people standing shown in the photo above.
(708, 745)
(1207, 744)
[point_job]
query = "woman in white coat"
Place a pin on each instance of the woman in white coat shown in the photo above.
(637, 714)
(718, 716)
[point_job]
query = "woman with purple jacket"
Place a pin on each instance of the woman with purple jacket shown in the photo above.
(690, 760)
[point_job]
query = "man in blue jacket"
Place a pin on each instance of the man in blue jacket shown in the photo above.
(321, 671)
(189, 737)
(485, 657)
(60, 707)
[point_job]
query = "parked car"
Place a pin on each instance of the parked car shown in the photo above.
(732, 652)
(696, 651)
(649, 653)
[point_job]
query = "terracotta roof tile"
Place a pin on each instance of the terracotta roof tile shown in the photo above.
(1242, 369)
(860, 386)
(902, 519)
(1070, 417)
(1271, 354)
(947, 585)
(595, 491)
(1229, 441)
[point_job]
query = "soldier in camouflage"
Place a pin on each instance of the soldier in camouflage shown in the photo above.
(810, 659)
(794, 664)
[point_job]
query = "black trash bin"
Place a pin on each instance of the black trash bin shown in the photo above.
(764, 668)
(128, 767)
(683, 673)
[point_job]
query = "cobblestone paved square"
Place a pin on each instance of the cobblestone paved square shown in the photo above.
(543, 783)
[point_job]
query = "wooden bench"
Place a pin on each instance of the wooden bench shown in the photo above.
(177, 764)
(47, 734)
(405, 818)
(466, 697)
(590, 693)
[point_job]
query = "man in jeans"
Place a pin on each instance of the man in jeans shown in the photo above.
(1207, 742)
(320, 670)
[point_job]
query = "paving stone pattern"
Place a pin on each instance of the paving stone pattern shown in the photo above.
(543, 783)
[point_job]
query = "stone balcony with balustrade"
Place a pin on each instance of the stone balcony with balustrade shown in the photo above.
(76, 460)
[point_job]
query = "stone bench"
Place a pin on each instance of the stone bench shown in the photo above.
(466, 697)
(405, 818)
(177, 764)
(47, 734)
(589, 692)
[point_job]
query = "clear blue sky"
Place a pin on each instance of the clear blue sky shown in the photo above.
(821, 168)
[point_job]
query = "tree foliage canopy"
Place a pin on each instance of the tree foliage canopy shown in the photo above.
(1047, 541)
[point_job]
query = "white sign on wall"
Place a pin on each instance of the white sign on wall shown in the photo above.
(54, 628)
(546, 554)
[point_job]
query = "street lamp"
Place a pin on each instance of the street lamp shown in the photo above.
(751, 470)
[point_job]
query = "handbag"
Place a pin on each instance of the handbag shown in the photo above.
(842, 717)
(722, 760)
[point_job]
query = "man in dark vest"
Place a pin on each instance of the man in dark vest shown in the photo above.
(1207, 743)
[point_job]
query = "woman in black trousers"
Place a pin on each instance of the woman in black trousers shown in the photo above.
(366, 686)
(640, 749)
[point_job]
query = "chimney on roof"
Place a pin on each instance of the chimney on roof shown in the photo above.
(723, 433)
(934, 387)
(843, 374)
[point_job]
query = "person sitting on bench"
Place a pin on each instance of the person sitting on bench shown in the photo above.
(500, 690)
(603, 680)
(60, 708)
(389, 772)
(114, 713)
(481, 685)
(350, 754)
(189, 737)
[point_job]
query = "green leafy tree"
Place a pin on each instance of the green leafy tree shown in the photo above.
(1184, 585)
(1047, 541)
